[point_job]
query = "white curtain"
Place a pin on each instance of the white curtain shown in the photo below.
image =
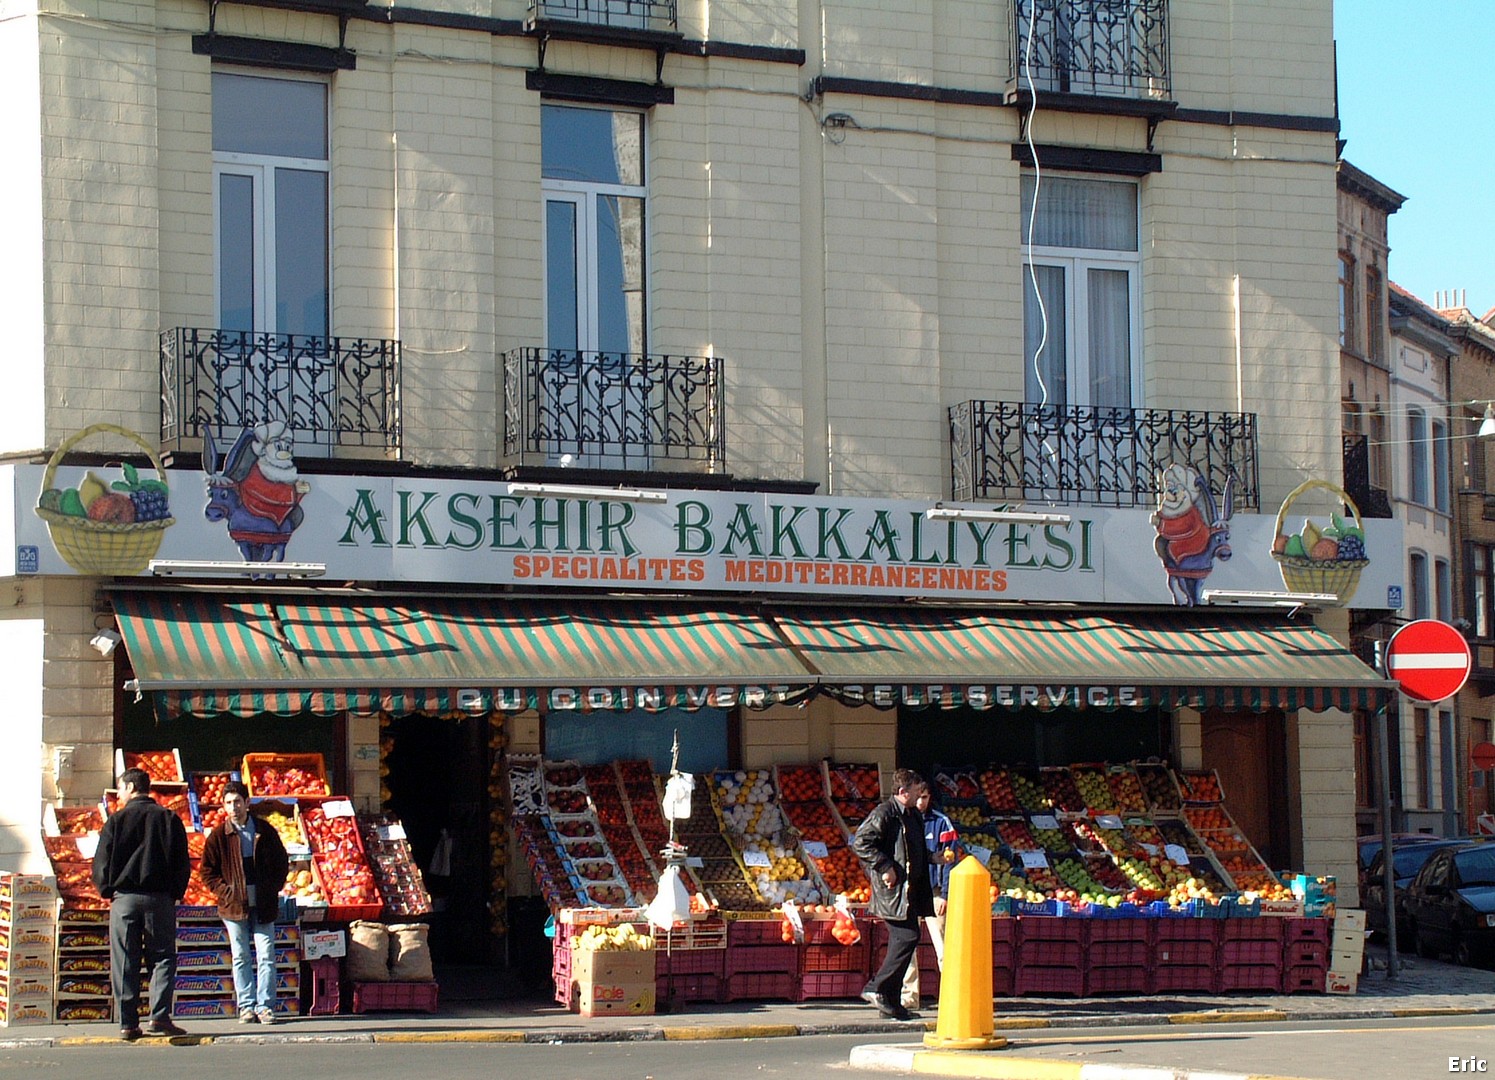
(1044, 381)
(1110, 338)
(1079, 213)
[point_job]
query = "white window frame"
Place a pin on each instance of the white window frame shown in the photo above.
(260, 169)
(1076, 264)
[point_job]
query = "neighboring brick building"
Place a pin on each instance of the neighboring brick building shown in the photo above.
(727, 250)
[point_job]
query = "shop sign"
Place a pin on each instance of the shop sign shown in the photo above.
(983, 697)
(411, 529)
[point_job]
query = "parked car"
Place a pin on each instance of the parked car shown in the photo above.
(1406, 860)
(1370, 846)
(1450, 904)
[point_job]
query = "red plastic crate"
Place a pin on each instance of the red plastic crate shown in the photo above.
(565, 990)
(394, 996)
(1192, 929)
(1123, 930)
(1052, 953)
(1306, 930)
(1184, 953)
(1049, 980)
(762, 986)
(755, 932)
(1253, 929)
(1040, 928)
(831, 984)
(323, 987)
(1112, 954)
(1117, 980)
(834, 958)
(1003, 955)
(690, 962)
(1303, 979)
(1305, 954)
(780, 959)
(1001, 982)
(1004, 929)
(1251, 952)
(691, 988)
(1175, 978)
(1250, 977)
(818, 932)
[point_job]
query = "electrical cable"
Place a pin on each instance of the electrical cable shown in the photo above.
(1043, 315)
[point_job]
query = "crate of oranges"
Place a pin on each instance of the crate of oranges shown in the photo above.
(162, 766)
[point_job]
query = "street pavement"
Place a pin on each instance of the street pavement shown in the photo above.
(478, 1005)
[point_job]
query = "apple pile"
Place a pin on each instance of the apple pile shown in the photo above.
(1161, 791)
(1095, 790)
(997, 786)
(1127, 790)
(337, 854)
(958, 785)
(1029, 795)
(969, 817)
(303, 886)
(1059, 790)
(1016, 835)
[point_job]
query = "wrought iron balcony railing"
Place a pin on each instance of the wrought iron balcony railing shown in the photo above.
(1097, 48)
(1372, 502)
(329, 392)
(655, 16)
(1022, 451)
(613, 410)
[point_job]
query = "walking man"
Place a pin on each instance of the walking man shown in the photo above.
(890, 845)
(141, 868)
(943, 848)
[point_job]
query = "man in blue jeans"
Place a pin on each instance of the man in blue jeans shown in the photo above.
(141, 867)
(245, 864)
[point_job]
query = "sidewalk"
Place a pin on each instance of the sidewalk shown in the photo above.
(480, 1005)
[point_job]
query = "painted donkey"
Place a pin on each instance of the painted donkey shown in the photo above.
(1192, 532)
(254, 489)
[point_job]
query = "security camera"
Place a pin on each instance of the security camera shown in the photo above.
(105, 641)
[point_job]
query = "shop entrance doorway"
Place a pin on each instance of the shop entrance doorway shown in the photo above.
(1249, 752)
(438, 786)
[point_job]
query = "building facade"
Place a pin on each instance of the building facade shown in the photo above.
(788, 265)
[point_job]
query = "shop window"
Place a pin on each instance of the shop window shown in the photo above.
(1082, 343)
(1417, 457)
(1417, 579)
(1479, 732)
(270, 186)
(595, 738)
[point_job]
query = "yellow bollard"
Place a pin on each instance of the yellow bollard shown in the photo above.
(965, 1018)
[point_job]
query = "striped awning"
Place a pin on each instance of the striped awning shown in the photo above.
(948, 657)
(210, 656)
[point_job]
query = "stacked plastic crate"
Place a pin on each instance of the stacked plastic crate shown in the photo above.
(829, 969)
(1305, 955)
(1120, 957)
(1185, 955)
(28, 929)
(760, 964)
(1003, 955)
(1051, 956)
(1251, 954)
(690, 960)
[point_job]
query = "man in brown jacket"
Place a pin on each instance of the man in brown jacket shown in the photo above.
(245, 864)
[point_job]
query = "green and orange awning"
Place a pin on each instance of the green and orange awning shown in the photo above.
(204, 655)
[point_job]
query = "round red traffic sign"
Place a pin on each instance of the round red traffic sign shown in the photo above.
(1483, 756)
(1429, 658)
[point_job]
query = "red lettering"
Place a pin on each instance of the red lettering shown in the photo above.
(561, 569)
(736, 570)
(697, 569)
(822, 574)
(999, 580)
(755, 570)
(542, 565)
(521, 566)
(839, 574)
(677, 569)
(858, 574)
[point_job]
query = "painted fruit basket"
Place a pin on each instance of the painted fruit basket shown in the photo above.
(104, 526)
(1321, 559)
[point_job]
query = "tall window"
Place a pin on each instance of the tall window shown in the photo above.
(270, 180)
(1380, 471)
(592, 163)
(1440, 465)
(1417, 576)
(1481, 588)
(1375, 316)
(1422, 742)
(1086, 265)
(1417, 456)
(1443, 589)
(1346, 302)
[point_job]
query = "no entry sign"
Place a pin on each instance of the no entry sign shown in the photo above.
(1429, 658)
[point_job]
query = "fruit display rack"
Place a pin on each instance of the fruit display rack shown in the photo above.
(769, 850)
(805, 800)
(395, 872)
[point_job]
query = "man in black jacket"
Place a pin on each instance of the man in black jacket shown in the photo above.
(141, 867)
(890, 845)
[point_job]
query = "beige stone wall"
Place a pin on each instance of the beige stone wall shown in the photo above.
(1326, 778)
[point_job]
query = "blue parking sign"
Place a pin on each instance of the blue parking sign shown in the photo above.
(1394, 597)
(28, 559)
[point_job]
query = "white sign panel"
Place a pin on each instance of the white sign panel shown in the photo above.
(414, 529)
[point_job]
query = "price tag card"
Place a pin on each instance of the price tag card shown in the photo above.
(1151, 849)
(815, 849)
(1033, 859)
(1045, 821)
(1176, 854)
(983, 855)
(297, 849)
(88, 844)
(338, 808)
(755, 858)
(392, 832)
(1108, 821)
(694, 861)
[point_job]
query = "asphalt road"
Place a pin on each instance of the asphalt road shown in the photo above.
(1364, 1050)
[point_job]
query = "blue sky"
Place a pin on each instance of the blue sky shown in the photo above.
(1415, 96)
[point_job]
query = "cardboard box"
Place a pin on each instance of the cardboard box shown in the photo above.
(25, 911)
(23, 963)
(28, 887)
(615, 983)
(1349, 919)
(1346, 961)
(17, 990)
(32, 939)
(1348, 941)
(1341, 982)
(76, 1010)
(20, 1013)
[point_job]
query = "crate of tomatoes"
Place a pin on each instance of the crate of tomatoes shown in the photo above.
(339, 863)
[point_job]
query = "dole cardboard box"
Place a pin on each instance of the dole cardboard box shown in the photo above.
(614, 983)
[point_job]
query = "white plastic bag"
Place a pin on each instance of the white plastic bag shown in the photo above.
(672, 905)
(677, 791)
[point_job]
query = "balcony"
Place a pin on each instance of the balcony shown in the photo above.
(1095, 49)
(1015, 451)
(591, 410)
(604, 20)
(1372, 502)
(332, 393)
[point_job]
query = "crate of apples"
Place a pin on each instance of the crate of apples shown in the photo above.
(339, 864)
